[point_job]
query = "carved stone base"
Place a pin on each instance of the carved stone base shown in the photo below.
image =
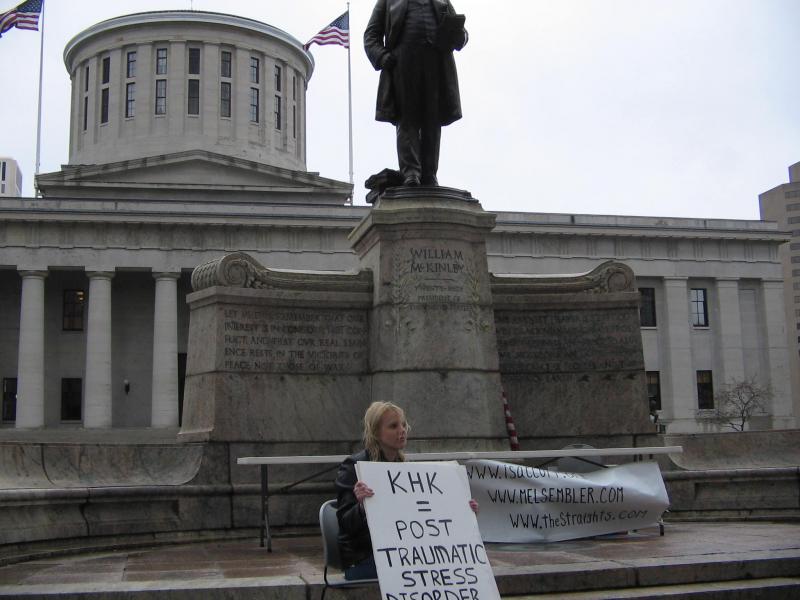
(433, 348)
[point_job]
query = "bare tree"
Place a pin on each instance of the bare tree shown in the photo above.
(739, 400)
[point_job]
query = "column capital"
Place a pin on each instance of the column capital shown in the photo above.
(675, 279)
(29, 273)
(773, 283)
(166, 275)
(727, 280)
(99, 274)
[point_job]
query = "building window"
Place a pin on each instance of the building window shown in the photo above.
(86, 98)
(3, 171)
(71, 399)
(294, 106)
(705, 390)
(225, 99)
(277, 112)
(194, 61)
(161, 61)
(277, 78)
(72, 312)
(647, 309)
(225, 64)
(106, 69)
(699, 307)
(254, 69)
(161, 96)
(254, 105)
(193, 107)
(654, 390)
(130, 70)
(104, 105)
(9, 408)
(130, 97)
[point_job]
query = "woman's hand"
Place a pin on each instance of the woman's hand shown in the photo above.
(362, 490)
(473, 504)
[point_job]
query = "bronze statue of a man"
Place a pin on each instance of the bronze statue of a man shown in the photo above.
(411, 42)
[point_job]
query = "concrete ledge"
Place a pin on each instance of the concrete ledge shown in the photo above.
(736, 450)
(738, 494)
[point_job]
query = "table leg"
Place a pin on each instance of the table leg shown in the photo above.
(265, 509)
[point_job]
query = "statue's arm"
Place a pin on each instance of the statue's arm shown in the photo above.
(460, 43)
(374, 35)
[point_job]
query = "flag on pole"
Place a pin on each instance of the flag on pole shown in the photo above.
(338, 32)
(24, 16)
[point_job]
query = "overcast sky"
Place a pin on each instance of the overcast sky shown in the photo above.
(636, 107)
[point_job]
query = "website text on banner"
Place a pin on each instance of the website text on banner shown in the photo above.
(531, 504)
(425, 537)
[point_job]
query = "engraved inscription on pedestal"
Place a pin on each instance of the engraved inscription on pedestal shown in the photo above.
(439, 277)
(285, 340)
(567, 341)
(431, 275)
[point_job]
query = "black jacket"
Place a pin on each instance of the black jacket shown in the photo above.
(381, 37)
(355, 544)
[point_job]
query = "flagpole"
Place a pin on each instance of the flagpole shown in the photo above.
(39, 118)
(349, 98)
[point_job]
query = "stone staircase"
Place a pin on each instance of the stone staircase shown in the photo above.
(693, 560)
(759, 575)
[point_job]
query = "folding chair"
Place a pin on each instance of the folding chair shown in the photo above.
(329, 526)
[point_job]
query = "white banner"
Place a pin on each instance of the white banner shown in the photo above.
(531, 504)
(425, 537)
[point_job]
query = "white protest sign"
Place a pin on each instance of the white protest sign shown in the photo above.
(531, 504)
(425, 537)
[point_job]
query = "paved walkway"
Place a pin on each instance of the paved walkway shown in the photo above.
(298, 560)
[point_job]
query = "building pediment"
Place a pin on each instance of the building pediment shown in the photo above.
(193, 174)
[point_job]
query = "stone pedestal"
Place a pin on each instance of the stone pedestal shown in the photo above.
(433, 348)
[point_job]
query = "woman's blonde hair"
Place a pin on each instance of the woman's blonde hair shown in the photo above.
(372, 427)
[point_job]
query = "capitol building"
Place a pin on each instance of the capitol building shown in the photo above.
(188, 142)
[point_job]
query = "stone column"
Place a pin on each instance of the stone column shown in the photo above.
(97, 392)
(729, 335)
(165, 352)
(680, 378)
(30, 375)
(784, 410)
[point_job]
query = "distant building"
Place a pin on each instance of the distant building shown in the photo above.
(782, 205)
(187, 141)
(10, 178)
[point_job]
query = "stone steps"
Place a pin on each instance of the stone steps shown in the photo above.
(777, 588)
(697, 575)
(693, 560)
(760, 575)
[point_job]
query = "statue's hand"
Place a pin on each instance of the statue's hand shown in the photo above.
(388, 62)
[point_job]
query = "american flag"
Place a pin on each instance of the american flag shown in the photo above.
(338, 32)
(24, 16)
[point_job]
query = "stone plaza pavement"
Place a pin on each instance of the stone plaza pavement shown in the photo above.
(708, 560)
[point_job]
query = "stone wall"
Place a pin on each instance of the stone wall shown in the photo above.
(571, 354)
(276, 356)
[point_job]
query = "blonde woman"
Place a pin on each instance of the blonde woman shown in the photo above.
(385, 436)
